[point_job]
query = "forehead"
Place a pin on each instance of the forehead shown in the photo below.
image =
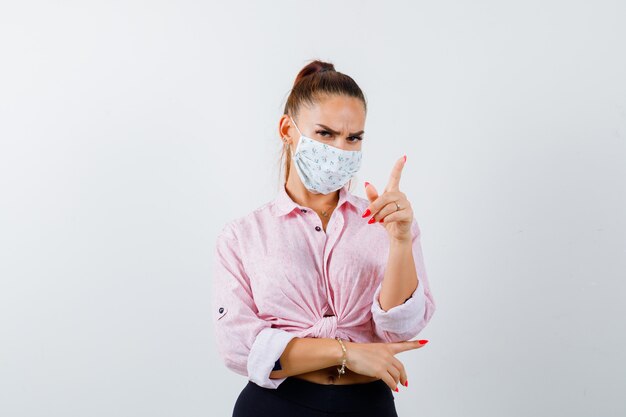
(336, 112)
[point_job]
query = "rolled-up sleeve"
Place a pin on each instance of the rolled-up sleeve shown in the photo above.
(247, 344)
(408, 319)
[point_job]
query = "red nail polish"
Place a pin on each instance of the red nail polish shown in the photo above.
(404, 158)
(406, 384)
(397, 390)
(372, 220)
(367, 213)
(367, 183)
(423, 342)
(382, 220)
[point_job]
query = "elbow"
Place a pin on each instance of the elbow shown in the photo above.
(237, 366)
(400, 336)
(266, 350)
(234, 357)
(253, 352)
(405, 321)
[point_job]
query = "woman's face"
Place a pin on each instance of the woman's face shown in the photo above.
(334, 120)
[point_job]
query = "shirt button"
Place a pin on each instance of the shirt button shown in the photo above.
(318, 228)
(221, 310)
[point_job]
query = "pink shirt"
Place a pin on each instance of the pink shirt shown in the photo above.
(277, 273)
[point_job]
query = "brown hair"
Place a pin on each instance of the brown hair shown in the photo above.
(316, 80)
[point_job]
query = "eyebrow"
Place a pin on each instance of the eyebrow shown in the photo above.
(335, 132)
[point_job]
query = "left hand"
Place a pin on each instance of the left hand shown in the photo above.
(383, 208)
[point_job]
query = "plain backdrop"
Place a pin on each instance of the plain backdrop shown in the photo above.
(132, 131)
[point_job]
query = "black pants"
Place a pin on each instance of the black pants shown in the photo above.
(301, 398)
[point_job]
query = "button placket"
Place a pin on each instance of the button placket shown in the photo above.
(334, 224)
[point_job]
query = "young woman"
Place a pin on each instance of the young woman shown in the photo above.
(316, 291)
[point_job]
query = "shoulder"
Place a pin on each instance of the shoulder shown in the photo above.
(237, 227)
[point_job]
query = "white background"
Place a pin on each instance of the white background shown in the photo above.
(131, 131)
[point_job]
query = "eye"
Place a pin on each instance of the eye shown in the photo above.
(322, 132)
(351, 139)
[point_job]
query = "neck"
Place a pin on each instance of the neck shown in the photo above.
(319, 202)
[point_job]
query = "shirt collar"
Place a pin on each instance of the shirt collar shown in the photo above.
(283, 204)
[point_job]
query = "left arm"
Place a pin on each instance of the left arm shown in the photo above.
(400, 281)
(402, 304)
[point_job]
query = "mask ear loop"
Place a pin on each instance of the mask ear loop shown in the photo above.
(295, 125)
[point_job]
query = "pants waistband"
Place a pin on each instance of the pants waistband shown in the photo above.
(334, 397)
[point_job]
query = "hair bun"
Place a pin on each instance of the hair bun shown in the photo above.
(314, 67)
(326, 67)
(319, 66)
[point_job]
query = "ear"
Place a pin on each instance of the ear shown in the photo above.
(283, 129)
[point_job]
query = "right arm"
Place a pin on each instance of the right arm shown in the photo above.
(376, 360)
(307, 354)
(248, 344)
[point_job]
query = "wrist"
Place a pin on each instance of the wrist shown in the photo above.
(344, 357)
(403, 241)
(340, 354)
(335, 351)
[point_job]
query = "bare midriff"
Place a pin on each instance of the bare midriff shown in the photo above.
(330, 376)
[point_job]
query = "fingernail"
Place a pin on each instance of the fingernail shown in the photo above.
(406, 384)
(367, 183)
(404, 158)
(367, 213)
(423, 342)
(382, 220)
(372, 220)
(397, 390)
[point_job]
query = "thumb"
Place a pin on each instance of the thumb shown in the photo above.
(370, 191)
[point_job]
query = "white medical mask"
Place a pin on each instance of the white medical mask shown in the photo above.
(321, 167)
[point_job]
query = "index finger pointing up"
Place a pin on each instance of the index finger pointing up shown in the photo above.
(394, 178)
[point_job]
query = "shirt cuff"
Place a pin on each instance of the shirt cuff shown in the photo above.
(404, 320)
(269, 344)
